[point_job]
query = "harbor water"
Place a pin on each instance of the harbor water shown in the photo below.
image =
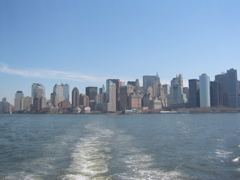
(119, 147)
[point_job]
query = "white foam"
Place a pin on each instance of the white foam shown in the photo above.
(236, 159)
(22, 175)
(222, 153)
(148, 174)
(91, 155)
(139, 164)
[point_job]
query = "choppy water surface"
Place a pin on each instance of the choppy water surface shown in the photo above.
(157, 146)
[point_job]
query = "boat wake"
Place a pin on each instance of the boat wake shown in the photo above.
(90, 156)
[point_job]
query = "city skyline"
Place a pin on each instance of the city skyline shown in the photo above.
(48, 96)
(84, 43)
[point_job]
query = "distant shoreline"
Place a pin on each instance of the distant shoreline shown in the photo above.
(213, 110)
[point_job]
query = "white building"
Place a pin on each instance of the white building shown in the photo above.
(111, 96)
(60, 93)
(38, 90)
(204, 80)
(26, 103)
(17, 100)
(177, 96)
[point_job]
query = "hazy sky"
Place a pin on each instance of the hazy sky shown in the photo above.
(83, 43)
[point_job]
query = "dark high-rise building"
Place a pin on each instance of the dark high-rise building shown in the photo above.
(123, 97)
(193, 100)
(146, 100)
(75, 97)
(233, 88)
(222, 80)
(214, 93)
(91, 92)
(148, 81)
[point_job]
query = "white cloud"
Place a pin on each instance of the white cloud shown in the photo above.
(49, 74)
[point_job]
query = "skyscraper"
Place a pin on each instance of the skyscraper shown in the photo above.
(222, 80)
(101, 97)
(148, 81)
(124, 97)
(60, 93)
(111, 96)
(166, 89)
(91, 92)
(233, 89)
(5, 106)
(156, 87)
(214, 94)
(204, 90)
(18, 100)
(117, 83)
(102, 90)
(177, 98)
(193, 100)
(83, 100)
(75, 98)
(38, 90)
(26, 103)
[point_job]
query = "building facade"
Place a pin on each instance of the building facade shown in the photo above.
(60, 93)
(26, 103)
(193, 100)
(177, 98)
(118, 84)
(204, 90)
(38, 90)
(91, 92)
(222, 80)
(83, 100)
(214, 94)
(75, 97)
(18, 100)
(111, 96)
(148, 81)
(233, 89)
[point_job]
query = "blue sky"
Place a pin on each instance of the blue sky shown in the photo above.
(83, 43)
